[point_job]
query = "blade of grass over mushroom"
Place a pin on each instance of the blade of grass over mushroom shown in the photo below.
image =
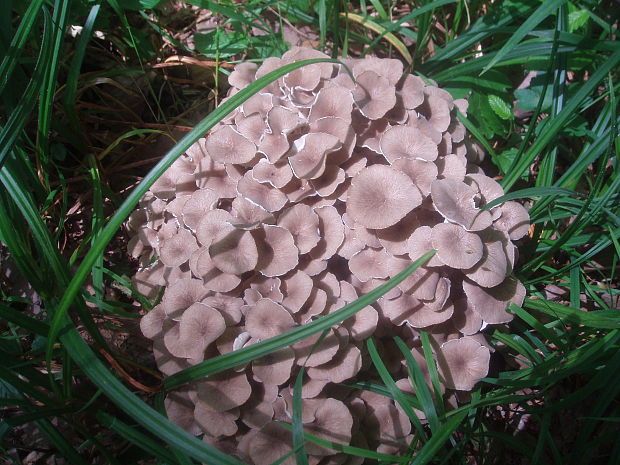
(432, 370)
(476, 133)
(391, 38)
(396, 393)
(438, 439)
(541, 13)
(247, 354)
(298, 428)
(108, 231)
(350, 450)
(419, 386)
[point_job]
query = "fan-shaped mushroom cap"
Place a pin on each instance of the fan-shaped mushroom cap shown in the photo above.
(308, 77)
(274, 368)
(177, 249)
(380, 196)
(491, 303)
(456, 247)
(456, 202)
(436, 110)
(166, 185)
(419, 243)
(228, 146)
(394, 239)
(390, 69)
(212, 224)
(331, 231)
(412, 91)
(345, 365)
(422, 283)
(363, 323)
(278, 254)
(388, 421)
(269, 444)
(216, 424)
(251, 127)
(465, 319)
(303, 223)
(180, 295)
(242, 75)
(180, 409)
(488, 188)
(203, 268)
(229, 307)
(332, 101)
(223, 392)
(248, 215)
(494, 266)
(308, 355)
(263, 195)
(408, 309)
(151, 324)
(332, 422)
(199, 326)
(514, 220)
(267, 319)
(312, 149)
(276, 175)
(451, 166)
(326, 185)
(197, 206)
(297, 288)
(369, 263)
(210, 174)
(234, 252)
(407, 142)
(374, 95)
(463, 362)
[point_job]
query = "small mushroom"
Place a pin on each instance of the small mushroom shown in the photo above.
(267, 319)
(380, 196)
(463, 362)
(456, 247)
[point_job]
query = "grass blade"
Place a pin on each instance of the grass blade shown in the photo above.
(241, 356)
(541, 13)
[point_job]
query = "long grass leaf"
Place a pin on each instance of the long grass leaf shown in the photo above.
(46, 100)
(396, 393)
(16, 47)
(553, 126)
(298, 428)
(541, 13)
(23, 112)
(134, 436)
(247, 354)
(600, 319)
(438, 439)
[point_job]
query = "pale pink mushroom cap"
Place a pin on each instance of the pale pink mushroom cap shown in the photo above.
(455, 200)
(491, 303)
(407, 142)
(456, 247)
(463, 362)
(228, 146)
(380, 196)
(267, 319)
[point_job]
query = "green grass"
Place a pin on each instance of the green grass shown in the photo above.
(69, 118)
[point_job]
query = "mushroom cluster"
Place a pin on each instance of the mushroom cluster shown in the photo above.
(317, 189)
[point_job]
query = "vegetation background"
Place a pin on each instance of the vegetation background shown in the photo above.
(97, 97)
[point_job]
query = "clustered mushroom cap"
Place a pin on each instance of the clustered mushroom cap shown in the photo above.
(318, 189)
